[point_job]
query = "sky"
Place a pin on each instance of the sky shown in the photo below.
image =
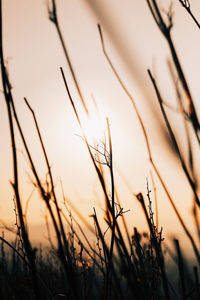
(134, 43)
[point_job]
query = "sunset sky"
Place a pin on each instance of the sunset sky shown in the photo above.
(134, 43)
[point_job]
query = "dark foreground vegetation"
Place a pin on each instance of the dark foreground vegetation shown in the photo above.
(122, 264)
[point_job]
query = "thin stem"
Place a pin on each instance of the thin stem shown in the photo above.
(181, 269)
(9, 102)
(51, 180)
(99, 174)
(186, 5)
(156, 246)
(54, 18)
(149, 149)
(192, 184)
(166, 31)
(27, 263)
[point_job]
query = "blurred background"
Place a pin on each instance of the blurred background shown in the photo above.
(134, 44)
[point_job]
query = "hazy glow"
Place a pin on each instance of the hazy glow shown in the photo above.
(94, 125)
(134, 44)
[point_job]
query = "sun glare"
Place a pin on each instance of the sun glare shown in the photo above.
(94, 126)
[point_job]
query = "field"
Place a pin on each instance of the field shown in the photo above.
(109, 250)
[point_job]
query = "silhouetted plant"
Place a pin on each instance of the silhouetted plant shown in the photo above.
(122, 265)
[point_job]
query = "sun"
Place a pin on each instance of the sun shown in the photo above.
(94, 126)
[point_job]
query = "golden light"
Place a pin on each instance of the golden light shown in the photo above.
(94, 125)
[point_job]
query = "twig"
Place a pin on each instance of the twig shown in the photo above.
(53, 17)
(181, 269)
(166, 31)
(192, 184)
(27, 263)
(15, 184)
(99, 174)
(186, 5)
(149, 149)
(156, 200)
(156, 243)
(51, 181)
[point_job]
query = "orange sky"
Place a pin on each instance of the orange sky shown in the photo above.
(134, 43)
